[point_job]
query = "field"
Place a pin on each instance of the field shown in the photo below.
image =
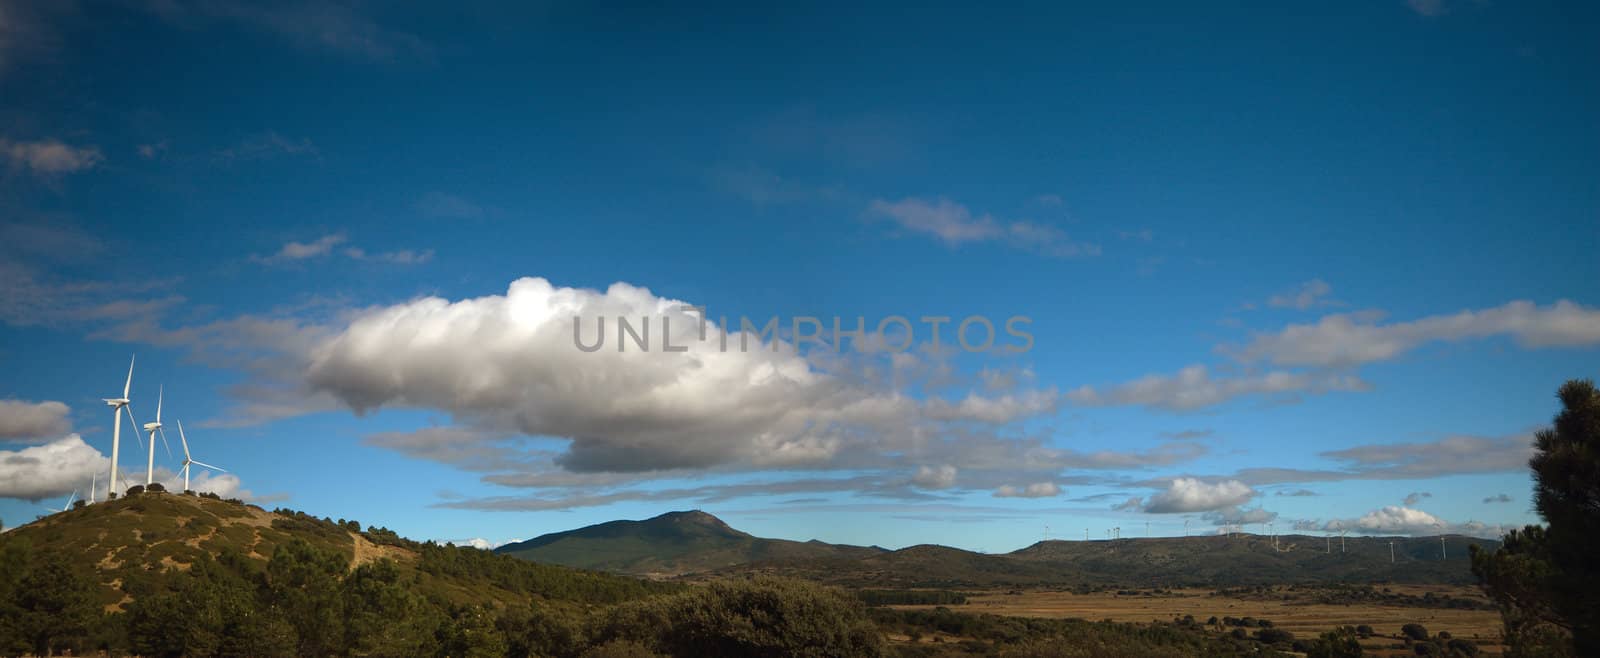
(1301, 611)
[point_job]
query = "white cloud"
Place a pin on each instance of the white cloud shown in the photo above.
(954, 224)
(1394, 520)
(510, 361)
(20, 419)
(1194, 495)
(325, 245)
(1355, 339)
(1032, 490)
(53, 469)
(49, 156)
(1194, 387)
(935, 477)
(1235, 515)
(1311, 293)
(997, 410)
(294, 251)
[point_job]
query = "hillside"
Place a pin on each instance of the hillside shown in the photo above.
(1208, 561)
(132, 545)
(674, 543)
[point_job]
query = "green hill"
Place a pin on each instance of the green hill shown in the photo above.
(670, 544)
(133, 544)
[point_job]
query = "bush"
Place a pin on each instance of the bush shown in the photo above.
(1364, 631)
(1274, 636)
(757, 617)
(155, 487)
(1414, 632)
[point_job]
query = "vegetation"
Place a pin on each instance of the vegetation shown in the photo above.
(1543, 578)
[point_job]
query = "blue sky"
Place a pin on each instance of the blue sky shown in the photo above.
(1293, 265)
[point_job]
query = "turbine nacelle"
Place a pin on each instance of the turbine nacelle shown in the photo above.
(116, 402)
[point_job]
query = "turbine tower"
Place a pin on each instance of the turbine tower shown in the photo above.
(1391, 551)
(117, 406)
(188, 461)
(153, 428)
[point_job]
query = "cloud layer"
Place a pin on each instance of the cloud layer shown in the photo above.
(23, 420)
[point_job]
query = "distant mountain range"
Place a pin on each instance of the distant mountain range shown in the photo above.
(674, 543)
(693, 543)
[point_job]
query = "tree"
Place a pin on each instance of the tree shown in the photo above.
(1567, 468)
(1416, 632)
(1340, 643)
(1541, 577)
(55, 604)
(303, 583)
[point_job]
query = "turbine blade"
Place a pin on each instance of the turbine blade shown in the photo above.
(128, 385)
(214, 468)
(160, 393)
(164, 443)
(136, 430)
(184, 439)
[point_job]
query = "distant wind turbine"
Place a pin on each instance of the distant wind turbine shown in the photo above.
(1391, 551)
(153, 429)
(190, 461)
(65, 507)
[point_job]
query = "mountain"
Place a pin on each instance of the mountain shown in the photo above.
(1209, 561)
(674, 543)
(697, 543)
(135, 544)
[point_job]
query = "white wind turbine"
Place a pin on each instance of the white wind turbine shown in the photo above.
(188, 461)
(118, 405)
(65, 507)
(153, 429)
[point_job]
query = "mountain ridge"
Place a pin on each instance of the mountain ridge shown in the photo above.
(695, 544)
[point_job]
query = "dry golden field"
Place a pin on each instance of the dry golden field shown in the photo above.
(1289, 610)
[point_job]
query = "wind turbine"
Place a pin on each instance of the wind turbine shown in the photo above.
(1391, 551)
(153, 428)
(188, 461)
(94, 482)
(117, 406)
(65, 507)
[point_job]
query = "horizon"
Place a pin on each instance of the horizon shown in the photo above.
(483, 275)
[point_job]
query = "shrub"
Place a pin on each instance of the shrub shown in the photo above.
(1274, 636)
(155, 487)
(1414, 632)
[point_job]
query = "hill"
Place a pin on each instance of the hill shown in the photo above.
(131, 545)
(674, 543)
(1207, 561)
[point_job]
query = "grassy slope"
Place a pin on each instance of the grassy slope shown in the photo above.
(132, 542)
(673, 543)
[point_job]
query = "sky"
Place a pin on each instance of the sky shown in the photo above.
(1291, 267)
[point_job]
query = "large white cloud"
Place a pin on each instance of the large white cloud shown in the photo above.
(53, 469)
(20, 419)
(512, 361)
(1194, 495)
